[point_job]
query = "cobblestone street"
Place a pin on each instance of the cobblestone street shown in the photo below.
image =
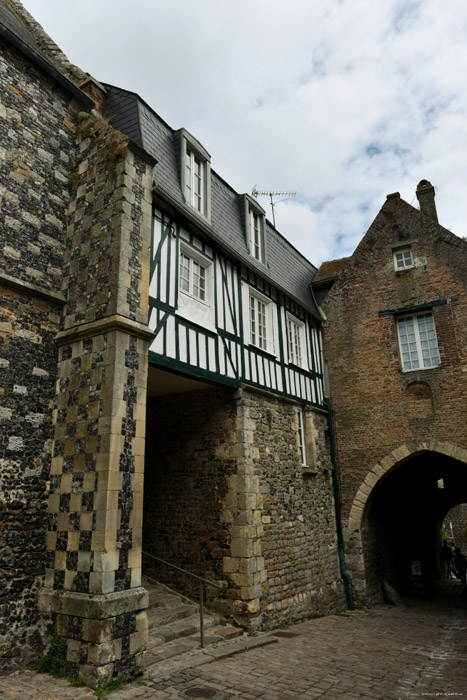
(414, 651)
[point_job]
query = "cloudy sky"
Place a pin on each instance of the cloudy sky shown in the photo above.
(343, 101)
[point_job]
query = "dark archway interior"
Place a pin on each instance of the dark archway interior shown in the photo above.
(403, 520)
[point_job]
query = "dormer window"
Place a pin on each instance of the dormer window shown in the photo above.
(403, 259)
(255, 228)
(195, 173)
(256, 235)
(194, 180)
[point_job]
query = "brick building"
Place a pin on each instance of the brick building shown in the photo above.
(131, 274)
(395, 344)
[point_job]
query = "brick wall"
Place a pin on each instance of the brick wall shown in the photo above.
(384, 416)
(457, 517)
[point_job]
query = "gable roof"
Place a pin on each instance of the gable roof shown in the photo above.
(286, 268)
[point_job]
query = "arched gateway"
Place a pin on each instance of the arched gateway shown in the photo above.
(397, 513)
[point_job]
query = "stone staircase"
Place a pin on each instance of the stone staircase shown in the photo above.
(174, 626)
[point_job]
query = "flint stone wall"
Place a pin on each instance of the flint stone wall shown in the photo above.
(37, 136)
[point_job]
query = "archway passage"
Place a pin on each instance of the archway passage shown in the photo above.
(402, 520)
(455, 525)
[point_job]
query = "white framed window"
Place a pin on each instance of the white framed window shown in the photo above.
(255, 224)
(417, 341)
(194, 180)
(259, 319)
(258, 322)
(256, 234)
(192, 276)
(195, 168)
(403, 259)
(296, 341)
(301, 435)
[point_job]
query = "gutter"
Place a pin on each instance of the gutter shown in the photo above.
(340, 540)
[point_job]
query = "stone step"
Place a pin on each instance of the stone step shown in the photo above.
(159, 599)
(181, 628)
(173, 622)
(159, 616)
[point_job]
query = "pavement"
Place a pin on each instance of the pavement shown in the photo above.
(412, 651)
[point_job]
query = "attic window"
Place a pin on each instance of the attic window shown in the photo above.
(403, 259)
(255, 228)
(195, 170)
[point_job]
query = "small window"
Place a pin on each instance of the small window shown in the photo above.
(403, 259)
(417, 341)
(194, 180)
(192, 274)
(295, 341)
(301, 435)
(256, 233)
(195, 173)
(254, 222)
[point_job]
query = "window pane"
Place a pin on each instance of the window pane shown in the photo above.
(262, 325)
(184, 273)
(252, 321)
(403, 258)
(418, 344)
(199, 281)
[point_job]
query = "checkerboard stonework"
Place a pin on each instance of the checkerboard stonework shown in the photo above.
(93, 576)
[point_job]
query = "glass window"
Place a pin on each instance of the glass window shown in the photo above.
(294, 331)
(403, 259)
(194, 184)
(192, 277)
(258, 326)
(417, 341)
(301, 435)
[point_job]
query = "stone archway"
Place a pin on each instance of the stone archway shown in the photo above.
(356, 530)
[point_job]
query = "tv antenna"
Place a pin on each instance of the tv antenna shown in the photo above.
(286, 195)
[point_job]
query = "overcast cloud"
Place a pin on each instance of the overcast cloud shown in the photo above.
(343, 101)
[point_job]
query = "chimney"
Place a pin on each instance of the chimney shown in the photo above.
(426, 199)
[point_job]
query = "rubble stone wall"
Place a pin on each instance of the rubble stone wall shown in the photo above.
(37, 144)
(226, 497)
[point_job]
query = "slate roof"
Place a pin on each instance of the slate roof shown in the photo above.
(286, 268)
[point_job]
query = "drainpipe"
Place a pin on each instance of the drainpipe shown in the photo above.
(340, 540)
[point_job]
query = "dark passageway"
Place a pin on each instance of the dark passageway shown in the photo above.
(403, 520)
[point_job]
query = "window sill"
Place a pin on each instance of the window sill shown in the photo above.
(267, 353)
(309, 471)
(295, 365)
(194, 298)
(421, 369)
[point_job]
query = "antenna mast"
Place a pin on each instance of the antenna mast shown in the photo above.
(286, 195)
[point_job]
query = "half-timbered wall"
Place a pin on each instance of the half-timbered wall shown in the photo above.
(208, 334)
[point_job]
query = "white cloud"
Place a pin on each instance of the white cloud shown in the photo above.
(341, 100)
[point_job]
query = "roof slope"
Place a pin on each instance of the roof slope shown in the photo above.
(286, 268)
(15, 17)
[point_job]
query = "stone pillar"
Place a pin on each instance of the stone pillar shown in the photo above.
(93, 573)
(245, 566)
